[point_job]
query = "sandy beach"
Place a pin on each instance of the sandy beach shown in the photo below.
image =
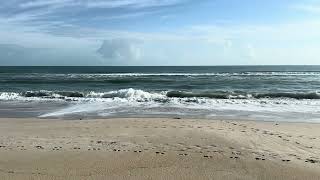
(151, 148)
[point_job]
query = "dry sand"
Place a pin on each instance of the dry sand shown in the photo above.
(151, 148)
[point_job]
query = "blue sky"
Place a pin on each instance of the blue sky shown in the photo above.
(159, 32)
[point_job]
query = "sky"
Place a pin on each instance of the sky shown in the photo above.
(159, 32)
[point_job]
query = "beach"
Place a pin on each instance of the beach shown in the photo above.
(157, 148)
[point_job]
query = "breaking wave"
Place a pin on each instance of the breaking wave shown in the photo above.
(133, 101)
(140, 95)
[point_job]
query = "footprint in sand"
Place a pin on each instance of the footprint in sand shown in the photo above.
(292, 155)
(311, 161)
(185, 154)
(234, 157)
(207, 156)
(236, 153)
(56, 148)
(39, 147)
(160, 152)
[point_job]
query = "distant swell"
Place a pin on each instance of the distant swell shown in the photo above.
(49, 94)
(181, 94)
(289, 95)
(228, 95)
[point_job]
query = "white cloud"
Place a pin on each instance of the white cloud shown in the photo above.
(99, 3)
(196, 45)
(41, 3)
(131, 3)
(120, 49)
(47, 15)
(311, 7)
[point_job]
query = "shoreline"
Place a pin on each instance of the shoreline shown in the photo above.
(220, 118)
(157, 148)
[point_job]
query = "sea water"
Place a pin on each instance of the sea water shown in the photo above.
(290, 93)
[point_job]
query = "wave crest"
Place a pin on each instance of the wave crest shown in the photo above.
(140, 95)
(129, 94)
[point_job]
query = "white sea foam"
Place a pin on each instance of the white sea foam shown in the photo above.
(132, 101)
(190, 106)
(9, 96)
(133, 94)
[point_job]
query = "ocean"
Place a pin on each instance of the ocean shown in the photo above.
(276, 93)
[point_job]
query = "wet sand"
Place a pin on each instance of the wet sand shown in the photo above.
(157, 148)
